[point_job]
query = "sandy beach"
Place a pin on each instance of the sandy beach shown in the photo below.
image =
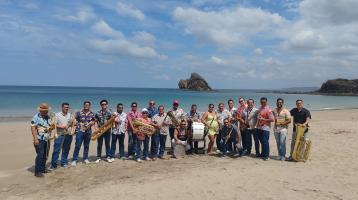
(330, 173)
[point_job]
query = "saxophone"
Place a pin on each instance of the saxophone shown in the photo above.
(53, 124)
(73, 127)
(172, 117)
(109, 124)
(302, 146)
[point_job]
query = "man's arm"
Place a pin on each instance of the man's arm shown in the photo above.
(34, 135)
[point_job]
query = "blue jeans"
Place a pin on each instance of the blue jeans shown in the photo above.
(162, 141)
(280, 137)
(120, 139)
(132, 143)
(64, 142)
(66, 149)
(56, 150)
(84, 137)
(154, 146)
(264, 137)
(40, 161)
(145, 143)
(255, 135)
(231, 144)
(107, 141)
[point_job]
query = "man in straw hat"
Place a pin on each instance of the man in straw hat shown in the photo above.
(40, 129)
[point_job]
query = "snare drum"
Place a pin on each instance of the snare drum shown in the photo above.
(198, 131)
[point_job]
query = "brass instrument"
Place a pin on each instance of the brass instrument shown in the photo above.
(72, 127)
(144, 128)
(172, 117)
(53, 124)
(109, 124)
(258, 120)
(303, 145)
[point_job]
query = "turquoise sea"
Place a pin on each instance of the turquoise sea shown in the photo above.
(23, 100)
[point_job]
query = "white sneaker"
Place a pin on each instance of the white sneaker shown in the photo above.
(147, 159)
(112, 159)
(218, 151)
(130, 157)
(74, 163)
(139, 160)
(87, 161)
(97, 161)
(109, 160)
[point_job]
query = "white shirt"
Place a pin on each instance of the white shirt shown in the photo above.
(62, 120)
(120, 123)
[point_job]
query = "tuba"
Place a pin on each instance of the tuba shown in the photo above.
(109, 124)
(302, 146)
(140, 127)
(172, 117)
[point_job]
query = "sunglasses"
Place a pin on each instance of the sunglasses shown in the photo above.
(211, 107)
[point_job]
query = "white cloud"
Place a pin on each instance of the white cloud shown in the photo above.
(144, 38)
(102, 28)
(118, 44)
(128, 10)
(227, 27)
(258, 51)
(83, 15)
(217, 60)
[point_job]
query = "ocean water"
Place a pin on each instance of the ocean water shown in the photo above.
(23, 100)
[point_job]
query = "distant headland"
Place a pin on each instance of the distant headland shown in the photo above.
(195, 82)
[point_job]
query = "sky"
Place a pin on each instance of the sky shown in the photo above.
(242, 44)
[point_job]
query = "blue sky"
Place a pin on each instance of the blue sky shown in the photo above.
(141, 43)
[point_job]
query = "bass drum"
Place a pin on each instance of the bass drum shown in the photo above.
(198, 130)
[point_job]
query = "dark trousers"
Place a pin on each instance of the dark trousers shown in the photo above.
(264, 137)
(218, 141)
(154, 145)
(84, 137)
(255, 135)
(145, 143)
(107, 139)
(120, 139)
(231, 144)
(246, 138)
(41, 155)
(132, 143)
(171, 135)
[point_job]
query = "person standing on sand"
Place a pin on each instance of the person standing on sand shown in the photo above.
(102, 117)
(193, 116)
(85, 120)
(249, 117)
(64, 139)
(118, 132)
(301, 116)
(282, 120)
(132, 138)
(161, 122)
(264, 119)
(143, 138)
(179, 114)
(210, 121)
(40, 129)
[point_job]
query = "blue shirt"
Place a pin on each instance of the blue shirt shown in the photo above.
(42, 125)
(152, 112)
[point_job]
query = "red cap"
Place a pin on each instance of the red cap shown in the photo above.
(175, 102)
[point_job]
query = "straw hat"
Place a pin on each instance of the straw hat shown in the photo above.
(43, 107)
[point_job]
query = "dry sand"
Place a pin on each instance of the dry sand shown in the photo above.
(330, 173)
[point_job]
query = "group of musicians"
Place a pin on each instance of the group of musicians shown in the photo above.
(232, 129)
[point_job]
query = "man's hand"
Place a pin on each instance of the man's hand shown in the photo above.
(36, 142)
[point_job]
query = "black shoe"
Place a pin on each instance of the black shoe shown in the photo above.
(39, 175)
(46, 171)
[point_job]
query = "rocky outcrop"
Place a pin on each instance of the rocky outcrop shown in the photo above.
(195, 82)
(340, 86)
